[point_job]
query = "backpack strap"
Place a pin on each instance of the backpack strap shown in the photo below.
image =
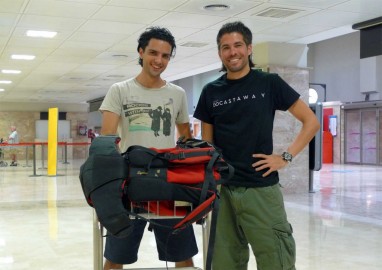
(209, 180)
(187, 154)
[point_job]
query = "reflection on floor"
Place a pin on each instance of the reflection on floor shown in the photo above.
(45, 223)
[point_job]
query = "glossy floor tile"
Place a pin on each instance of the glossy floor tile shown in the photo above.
(46, 224)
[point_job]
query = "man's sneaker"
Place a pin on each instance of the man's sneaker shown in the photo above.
(13, 164)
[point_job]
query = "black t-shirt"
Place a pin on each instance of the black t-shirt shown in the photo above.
(242, 113)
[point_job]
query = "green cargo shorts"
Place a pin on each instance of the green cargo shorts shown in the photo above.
(256, 217)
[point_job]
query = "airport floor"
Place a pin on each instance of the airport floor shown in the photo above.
(46, 224)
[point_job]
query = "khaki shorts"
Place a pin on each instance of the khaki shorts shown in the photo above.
(256, 217)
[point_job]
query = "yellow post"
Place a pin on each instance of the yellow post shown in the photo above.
(52, 141)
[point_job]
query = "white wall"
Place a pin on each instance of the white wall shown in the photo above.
(187, 85)
(194, 85)
(336, 63)
(95, 119)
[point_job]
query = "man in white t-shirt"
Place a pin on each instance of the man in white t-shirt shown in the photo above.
(145, 110)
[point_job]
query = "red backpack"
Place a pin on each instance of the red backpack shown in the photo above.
(116, 184)
(189, 172)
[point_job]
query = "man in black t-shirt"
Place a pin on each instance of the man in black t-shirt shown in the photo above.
(237, 112)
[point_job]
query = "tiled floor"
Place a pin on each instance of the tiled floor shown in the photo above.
(45, 223)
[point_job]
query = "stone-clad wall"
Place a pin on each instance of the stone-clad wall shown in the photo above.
(76, 119)
(25, 124)
(295, 177)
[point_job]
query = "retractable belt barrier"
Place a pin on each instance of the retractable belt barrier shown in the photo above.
(42, 144)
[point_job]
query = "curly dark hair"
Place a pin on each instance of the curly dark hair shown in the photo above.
(238, 27)
(157, 33)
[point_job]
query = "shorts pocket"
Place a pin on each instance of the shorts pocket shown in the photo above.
(286, 245)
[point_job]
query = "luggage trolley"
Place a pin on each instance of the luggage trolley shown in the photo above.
(99, 230)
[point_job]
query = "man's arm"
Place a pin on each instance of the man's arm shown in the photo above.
(184, 130)
(110, 122)
(310, 126)
(207, 132)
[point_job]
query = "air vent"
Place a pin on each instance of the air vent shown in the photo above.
(277, 12)
(194, 44)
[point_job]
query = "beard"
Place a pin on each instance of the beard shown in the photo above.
(237, 67)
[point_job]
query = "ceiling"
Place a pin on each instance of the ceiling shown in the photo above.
(96, 41)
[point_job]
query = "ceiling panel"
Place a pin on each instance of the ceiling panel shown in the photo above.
(148, 4)
(361, 6)
(183, 20)
(13, 6)
(126, 14)
(235, 7)
(97, 39)
(8, 19)
(297, 30)
(110, 27)
(333, 18)
(35, 22)
(55, 8)
(320, 4)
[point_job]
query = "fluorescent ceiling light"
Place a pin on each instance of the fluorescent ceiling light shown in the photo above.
(10, 71)
(2, 90)
(43, 34)
(22, 57)
(5, 82)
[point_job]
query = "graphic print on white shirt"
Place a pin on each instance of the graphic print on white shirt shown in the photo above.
(151, 117)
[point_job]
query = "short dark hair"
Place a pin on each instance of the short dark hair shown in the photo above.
(238, 27)
(157, 33)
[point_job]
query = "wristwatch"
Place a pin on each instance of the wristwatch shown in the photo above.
(287, 157)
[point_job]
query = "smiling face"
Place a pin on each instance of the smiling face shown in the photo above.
(234, 53)
(155, 57)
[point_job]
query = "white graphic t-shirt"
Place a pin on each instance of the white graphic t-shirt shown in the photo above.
(148, 115)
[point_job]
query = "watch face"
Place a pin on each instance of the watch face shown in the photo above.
(287, 156)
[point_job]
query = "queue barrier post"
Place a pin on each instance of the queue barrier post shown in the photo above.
(66, 153)
(34, 161)
(42, 156)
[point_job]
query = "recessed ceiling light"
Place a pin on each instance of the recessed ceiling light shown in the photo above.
(5, 82)
(216, 7)
(10, 71)
(43, 34)
(22, 57)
